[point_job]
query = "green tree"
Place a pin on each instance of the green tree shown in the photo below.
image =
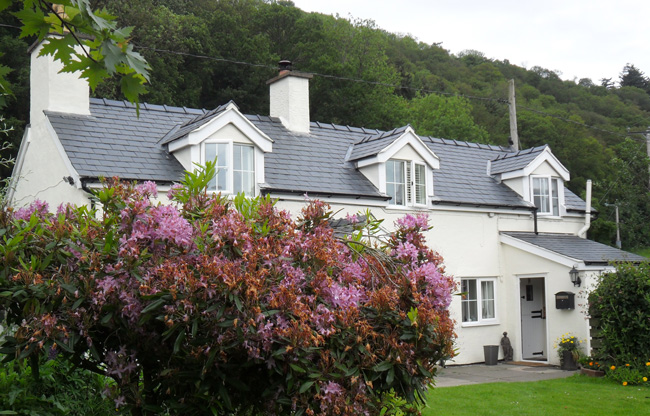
(633, 77)
(446, 117)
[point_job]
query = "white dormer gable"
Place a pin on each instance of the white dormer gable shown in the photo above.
(399, 164)
(546, 162)
(408, 138)
(537, 176)
(229, 137)
(229, 115)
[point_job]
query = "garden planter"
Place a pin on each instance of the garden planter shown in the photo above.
(568, 361)
(592, 373)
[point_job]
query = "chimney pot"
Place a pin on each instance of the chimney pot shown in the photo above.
(284, 65)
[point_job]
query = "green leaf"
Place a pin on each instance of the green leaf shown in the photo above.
(383, 366)
(179, 341)
(154, 305)
(106, 318)
(305, 386)
(132, 86)
(33, 21)
(3, 5)
(297, 368)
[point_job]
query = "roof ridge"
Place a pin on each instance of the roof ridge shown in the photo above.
(524, 152)
(463, 143)
(147, 106)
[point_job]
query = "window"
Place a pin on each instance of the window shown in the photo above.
(546, 195)
(395, 181)
(479, 300)
(235, 167)
(406, 182)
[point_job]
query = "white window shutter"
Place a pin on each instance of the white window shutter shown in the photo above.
(409, 191)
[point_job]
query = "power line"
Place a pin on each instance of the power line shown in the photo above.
(318, 74)
(385, 84)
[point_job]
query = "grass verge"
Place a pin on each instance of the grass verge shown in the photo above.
(577, 395)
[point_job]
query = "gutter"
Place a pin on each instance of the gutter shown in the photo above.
(267, 191)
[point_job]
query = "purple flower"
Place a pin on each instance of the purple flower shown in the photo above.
(38, 207)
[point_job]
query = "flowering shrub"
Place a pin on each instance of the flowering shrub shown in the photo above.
(217, 306)
(629, 374)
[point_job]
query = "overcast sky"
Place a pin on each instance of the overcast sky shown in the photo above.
(579, 38)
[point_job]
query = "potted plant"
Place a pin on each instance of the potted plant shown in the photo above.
(568, 348)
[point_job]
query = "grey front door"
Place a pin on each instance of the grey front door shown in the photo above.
(533, 319)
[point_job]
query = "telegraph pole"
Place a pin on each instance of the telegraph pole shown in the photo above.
(514, 136)
(647, 145)
(618, 229)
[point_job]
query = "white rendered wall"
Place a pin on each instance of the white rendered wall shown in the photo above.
(42, 173)
(290, 101)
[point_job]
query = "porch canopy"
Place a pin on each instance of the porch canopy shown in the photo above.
(572, 247)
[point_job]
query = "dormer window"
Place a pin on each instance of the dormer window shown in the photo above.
(235, 167)
(546, 195)
(406, 182)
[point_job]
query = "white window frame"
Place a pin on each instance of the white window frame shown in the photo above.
(480, 298)
(231, 165)
(410, 186)
(550, 181)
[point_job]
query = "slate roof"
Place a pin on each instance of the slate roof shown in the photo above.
(373, 144)
(510, 162)
(590, 252)
(113, 141)
(462, 177)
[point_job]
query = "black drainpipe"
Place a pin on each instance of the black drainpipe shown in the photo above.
(91, 197)
(535, 220)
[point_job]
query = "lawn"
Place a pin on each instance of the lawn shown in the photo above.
(577, 395)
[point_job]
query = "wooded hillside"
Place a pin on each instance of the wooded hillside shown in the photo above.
(206, 52)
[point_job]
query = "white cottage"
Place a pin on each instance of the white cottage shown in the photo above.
(508, 228)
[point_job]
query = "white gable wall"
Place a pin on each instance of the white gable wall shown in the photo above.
(408, 153)
(41, 168)
(546, 169)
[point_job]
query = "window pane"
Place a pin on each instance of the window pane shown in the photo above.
(420, 184)
(541, 197)
(390, 171)
(399, 194)
(390, 191)
(555, 197)
(399, 172)
(243, 169)
(487, 300)
(395, 183)
(469, 301)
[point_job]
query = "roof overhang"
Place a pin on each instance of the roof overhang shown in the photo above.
(230, 115)
(541, 252)
(407, 138)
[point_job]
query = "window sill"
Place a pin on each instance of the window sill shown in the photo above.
(474, 324)
(408, 207)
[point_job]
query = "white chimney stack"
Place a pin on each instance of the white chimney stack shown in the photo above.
(52, 90)
(290, 98)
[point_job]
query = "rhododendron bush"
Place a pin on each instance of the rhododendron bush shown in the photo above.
(217, 306)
